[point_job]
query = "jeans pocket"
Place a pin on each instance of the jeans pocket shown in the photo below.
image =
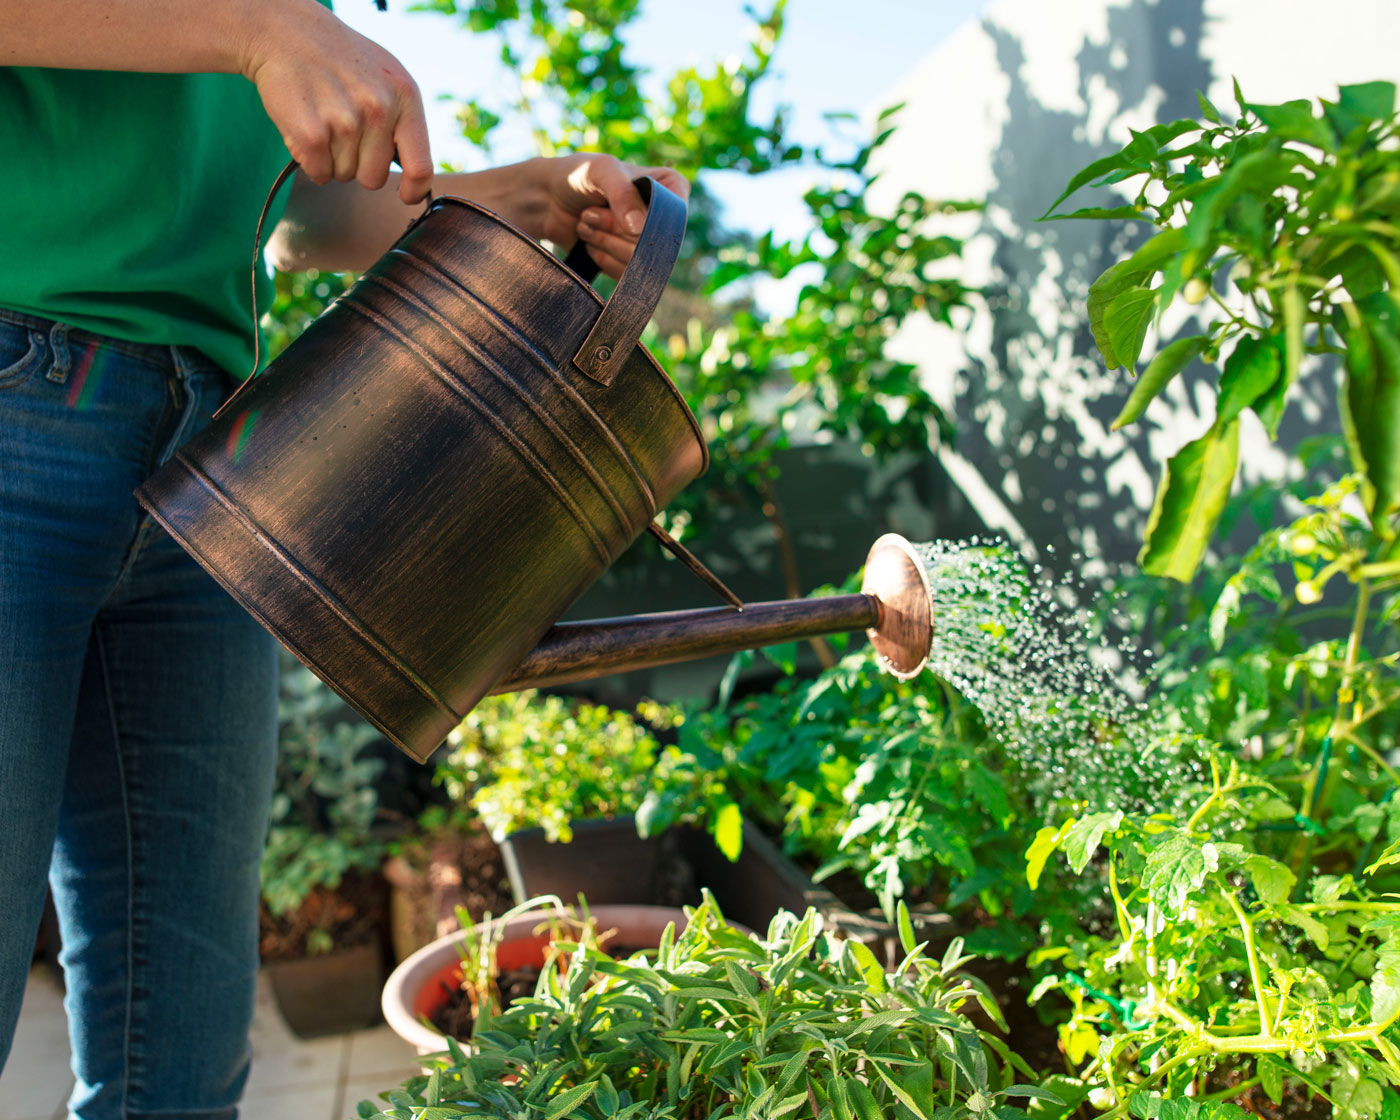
(21, 353)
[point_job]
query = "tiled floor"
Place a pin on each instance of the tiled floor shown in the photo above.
(292, 1078)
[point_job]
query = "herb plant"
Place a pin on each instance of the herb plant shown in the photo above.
(717, 1024)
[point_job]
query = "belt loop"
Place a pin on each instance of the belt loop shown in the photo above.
(182, 369)
(62, 356)
(182, 390)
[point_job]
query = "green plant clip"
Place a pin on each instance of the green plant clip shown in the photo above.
(1126, 1010)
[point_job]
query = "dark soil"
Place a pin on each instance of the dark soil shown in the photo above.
(455, 1017)
(354, 915)
(465, 869)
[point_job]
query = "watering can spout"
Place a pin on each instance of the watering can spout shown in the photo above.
(893, 607)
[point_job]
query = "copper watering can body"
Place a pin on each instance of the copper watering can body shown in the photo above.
(423, 482)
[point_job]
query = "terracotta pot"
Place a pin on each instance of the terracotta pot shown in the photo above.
(423, 983)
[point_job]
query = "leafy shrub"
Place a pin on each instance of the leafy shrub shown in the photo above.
(530, 761)
(325, 805)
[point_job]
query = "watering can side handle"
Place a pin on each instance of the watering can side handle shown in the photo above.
(283, 176)
(619, 326)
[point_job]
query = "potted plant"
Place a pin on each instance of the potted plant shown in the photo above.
(324, 903)
(585, 799)
(719, 1023)
(463, 978)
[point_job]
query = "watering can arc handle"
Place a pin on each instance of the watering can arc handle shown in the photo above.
(619, 326)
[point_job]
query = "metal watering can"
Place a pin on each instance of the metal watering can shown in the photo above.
(425, 480)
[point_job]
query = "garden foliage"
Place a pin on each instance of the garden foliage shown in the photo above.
(529, 761)
(1252, 952)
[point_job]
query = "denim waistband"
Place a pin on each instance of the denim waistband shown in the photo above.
(153, 354)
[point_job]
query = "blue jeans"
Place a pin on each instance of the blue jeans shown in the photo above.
(138, 728)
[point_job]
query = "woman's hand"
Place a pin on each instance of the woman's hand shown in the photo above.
(345, 106)
(590, 197)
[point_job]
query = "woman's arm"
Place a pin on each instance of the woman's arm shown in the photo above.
(343, 228)
(342, 103)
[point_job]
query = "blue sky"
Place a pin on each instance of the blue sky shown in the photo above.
(834, 55)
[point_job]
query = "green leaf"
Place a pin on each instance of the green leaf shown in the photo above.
(1134, 157)
(1125, 322)
(1258, 173)
(1120, 213)
(1270, 1071)
(1386, 858)
(870, 968)
(862, 1100)
(1209, 111)
(1316, 931)
(1168, 362)
(1385, 981)
(1269, 405)
(607, 1095)
(1146, 1106)
(1124, 276)
(1174, 869)
(1251, 370)
(1355, 1097)
(1273, 882)
(729, 831)
(1371, 402)
(1194, 489)
(1045, 842)
(1294, 120)
(740, 978)
(1082, 841)
(1371, 101)
(890, 1018)
(1032, 1091)
(1095, 170)
(904, 1098)
(905, 927)
(1249, 580)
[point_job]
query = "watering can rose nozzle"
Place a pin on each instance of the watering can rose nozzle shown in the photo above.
(896, 578)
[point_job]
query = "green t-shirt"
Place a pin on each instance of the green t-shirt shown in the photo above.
(129, 204)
